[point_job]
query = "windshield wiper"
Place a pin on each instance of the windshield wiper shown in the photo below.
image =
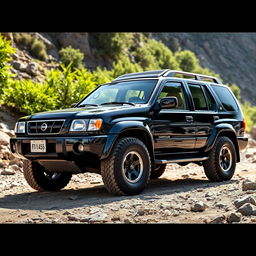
(118, 102)
(84, 105)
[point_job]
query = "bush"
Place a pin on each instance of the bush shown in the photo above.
(38, 49)
(71, 56)
(114, 44)
(29, 97)
(24, 39)
(5, 51)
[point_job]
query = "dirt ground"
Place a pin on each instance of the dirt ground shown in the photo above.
(181, 195)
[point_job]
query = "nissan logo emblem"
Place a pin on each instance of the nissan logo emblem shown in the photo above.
(43, 127)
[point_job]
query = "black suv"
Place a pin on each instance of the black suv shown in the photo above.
(129, 129)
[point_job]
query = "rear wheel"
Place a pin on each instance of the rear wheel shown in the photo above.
(159, 171)
(222, 160)
(126, 171)
(43, 180)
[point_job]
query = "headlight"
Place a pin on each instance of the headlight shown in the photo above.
(78, 125)
(20, 127)
(94, 124)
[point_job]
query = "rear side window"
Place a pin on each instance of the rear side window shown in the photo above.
(198, 97)
(226, 98)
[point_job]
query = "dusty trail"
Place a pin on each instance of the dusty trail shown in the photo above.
(181, 195)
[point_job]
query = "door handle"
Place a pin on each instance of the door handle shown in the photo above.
(215, 118)
(189, 119)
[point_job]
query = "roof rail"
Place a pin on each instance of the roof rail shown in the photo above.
(166, 73)
(172, 73)
(151, 73)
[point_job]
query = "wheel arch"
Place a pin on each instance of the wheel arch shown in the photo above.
(130, 129)
(223, 130)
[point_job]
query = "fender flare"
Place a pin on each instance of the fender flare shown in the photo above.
(125, 126)
(226, 129)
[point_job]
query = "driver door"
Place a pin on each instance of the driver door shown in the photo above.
(174, 129)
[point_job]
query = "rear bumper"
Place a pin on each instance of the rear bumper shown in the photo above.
(59, 147)
(242, 142)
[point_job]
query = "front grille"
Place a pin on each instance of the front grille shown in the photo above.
(45, 126)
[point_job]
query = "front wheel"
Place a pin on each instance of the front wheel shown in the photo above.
(126, 171)
(222, 160)
(43, 180)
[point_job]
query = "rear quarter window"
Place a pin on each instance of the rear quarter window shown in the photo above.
(226, 98)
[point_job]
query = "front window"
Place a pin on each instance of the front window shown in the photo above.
(134, 92)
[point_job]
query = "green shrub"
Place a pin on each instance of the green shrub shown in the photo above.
(24, 39)
(38, 49)
(70, 55)
(249, 113)
(5, 51)
(114, 44)
(29, 97)
(69, 86)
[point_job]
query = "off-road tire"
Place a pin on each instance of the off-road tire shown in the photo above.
(36, 177)
(159, 171)
(212, 166)
(111, 168)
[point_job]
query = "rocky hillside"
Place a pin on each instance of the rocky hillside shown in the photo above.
(229, 54)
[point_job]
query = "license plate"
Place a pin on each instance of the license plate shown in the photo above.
(38, 146)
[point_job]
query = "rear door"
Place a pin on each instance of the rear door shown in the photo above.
(205, 112)
(173, 129)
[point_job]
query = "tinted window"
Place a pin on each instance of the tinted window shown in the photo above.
(174, 89)
(210, 99)
(129, 91)
(225, 97)
(198, 97)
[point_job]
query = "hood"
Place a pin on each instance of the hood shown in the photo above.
(88, 112)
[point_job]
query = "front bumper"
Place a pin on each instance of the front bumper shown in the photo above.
(59, 147)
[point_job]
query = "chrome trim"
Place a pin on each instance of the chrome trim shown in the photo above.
(51, 120)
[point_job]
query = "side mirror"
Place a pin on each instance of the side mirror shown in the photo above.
(168, 102)
(72, 105)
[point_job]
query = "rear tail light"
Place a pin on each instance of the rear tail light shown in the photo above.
(244, 124)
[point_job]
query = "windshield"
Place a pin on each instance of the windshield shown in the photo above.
(136, 92)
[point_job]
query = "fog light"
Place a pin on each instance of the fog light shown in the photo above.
(80, 147)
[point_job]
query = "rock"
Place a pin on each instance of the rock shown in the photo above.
(16, 161)
(18, 65)
(76, 40)
(7, 172)
(115, 218)
(66, 213)
(218, 220)
(234, 217)
(221, 205)
(253, 132)
(185, 176)
(248, 199)
(4, 138)
(140, 212)
(248, 185)
(247, 209)
(248, 155)
(208, 194)
(32, 69)
(15, 168)
(198, 207)
(97, 217)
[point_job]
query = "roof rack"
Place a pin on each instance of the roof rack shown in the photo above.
(200, 77)
(167, 73)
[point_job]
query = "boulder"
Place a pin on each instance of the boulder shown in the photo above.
(198, 207)
(4, 138)
(248, 185)
(75, 40)
(32, 69)
(247, 210)
(248, 199)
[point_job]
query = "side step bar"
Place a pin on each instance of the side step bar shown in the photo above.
(180, 160)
